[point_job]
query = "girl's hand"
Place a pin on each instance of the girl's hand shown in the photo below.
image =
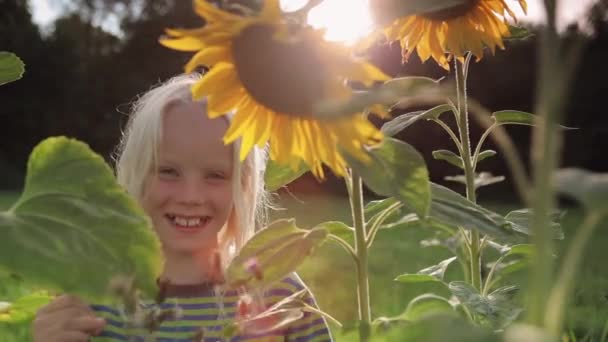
(66, 319)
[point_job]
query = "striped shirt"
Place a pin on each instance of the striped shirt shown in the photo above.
(200, 306)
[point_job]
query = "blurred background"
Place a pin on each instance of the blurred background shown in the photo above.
(87, 60)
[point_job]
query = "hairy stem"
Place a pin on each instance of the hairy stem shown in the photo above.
(356, 203)
(465, 141)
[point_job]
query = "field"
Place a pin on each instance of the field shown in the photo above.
(330, 274)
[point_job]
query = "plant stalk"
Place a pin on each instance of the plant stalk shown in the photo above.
(545, 147)
(465, 141)
(356, 203)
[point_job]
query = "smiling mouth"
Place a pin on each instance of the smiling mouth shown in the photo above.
(189, 223)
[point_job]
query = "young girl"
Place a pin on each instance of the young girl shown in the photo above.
(204, 204)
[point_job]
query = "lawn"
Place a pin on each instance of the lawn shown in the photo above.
(330, 273)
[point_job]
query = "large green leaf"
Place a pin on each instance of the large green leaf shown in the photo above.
(387, 94)
(452, 209)
(73, 228)
(589, 188)
(273, 253)
(24, 308)
(397, 170)
(403, 121)
(278, 175)
(448, 209)
(521, 222)
(11, 67)
(496, 309)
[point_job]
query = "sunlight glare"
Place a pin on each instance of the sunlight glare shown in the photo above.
(345, 20)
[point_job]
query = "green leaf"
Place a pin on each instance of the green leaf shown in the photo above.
(404, 221)
(273, 253)
(481, 179)
(521, 221)
(485, 155)
(512, 267)
(518, 33)
(430, 274)
(374, 207)
(339, 229)
(396, 170)
(73, 219)
(449, 157)
(438, 270)
(515, 117)
(525, 249)
(427, 305)
(416, 278)
(452, 209)
(11, 67)
(384, 12)
(387, 94)
(496, 309)
(403, 121)
(24, 308)
(278, 175)
(589, 188)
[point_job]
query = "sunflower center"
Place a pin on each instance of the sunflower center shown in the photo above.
(451, 12)
(285, 76)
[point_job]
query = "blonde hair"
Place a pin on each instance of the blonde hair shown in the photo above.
(138, 149)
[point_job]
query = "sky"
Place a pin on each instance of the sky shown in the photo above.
(345, 26)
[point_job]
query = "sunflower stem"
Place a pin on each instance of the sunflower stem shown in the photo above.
(356, 203)
(465, 142)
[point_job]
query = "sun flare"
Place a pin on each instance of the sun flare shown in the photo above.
(344, 20)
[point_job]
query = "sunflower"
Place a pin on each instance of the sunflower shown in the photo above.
(271, 76)
(466, 27)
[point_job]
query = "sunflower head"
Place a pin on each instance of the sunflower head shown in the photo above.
(271, 75)
(469, 26)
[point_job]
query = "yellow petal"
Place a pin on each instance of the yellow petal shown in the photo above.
(183, 43)
(224, 101)
(212, 13)
(209, 57)
(240, 122)
(271, 10)
(212, 80)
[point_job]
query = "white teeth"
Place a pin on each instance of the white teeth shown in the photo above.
(194, 222)
(187, 222)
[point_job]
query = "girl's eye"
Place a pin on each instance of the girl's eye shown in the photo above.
(216, 175)
(167, 171)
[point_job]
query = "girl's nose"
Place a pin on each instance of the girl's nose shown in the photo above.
(192, 193)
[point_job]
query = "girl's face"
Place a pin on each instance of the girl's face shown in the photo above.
(188, 194)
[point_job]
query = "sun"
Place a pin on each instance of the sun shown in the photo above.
(345, 21)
